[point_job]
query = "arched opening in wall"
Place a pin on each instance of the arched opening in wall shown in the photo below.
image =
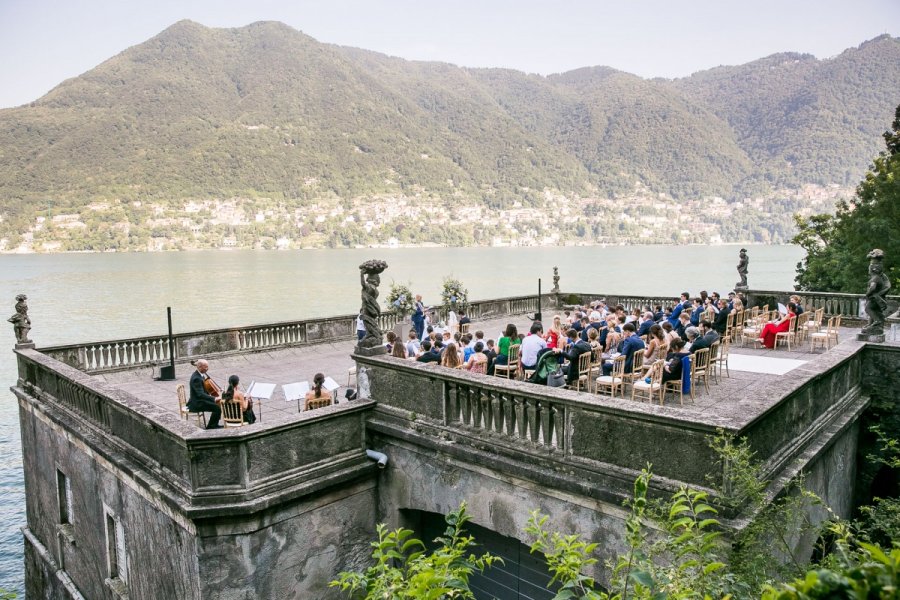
(523, 576)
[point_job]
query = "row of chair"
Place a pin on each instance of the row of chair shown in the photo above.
(702, 363)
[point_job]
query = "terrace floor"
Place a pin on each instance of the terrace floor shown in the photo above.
(751, 371)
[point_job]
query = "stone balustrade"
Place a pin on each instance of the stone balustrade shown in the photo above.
(201, 469)
(112, 355)
(609, 440)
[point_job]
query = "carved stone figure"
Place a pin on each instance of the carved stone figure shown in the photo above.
(370, 278)
(743, 261)
(21, 322)
(876, 293)
(555, 289)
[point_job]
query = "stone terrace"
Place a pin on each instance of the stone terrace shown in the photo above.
(754, 376)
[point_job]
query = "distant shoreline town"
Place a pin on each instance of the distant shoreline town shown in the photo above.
(420, 220)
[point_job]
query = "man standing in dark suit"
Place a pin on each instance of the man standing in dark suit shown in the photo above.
(200, 400)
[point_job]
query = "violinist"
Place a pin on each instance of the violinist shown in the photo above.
(205, 395)
(234, 394)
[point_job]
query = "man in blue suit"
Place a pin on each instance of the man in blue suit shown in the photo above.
(628, 347)
(418, 317)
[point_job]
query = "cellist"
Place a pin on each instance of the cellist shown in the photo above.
(201, 400)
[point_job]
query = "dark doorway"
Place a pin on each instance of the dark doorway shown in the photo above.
(523, 576)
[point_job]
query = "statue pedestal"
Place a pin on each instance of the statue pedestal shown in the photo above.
(401, 330)
(25, 346)
(877, 338)
(741, 288)
(374, 351)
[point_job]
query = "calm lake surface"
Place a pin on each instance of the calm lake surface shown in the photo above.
(91, 297)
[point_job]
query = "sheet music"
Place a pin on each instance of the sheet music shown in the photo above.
(295, 391)
(263, 391)
(330, 384)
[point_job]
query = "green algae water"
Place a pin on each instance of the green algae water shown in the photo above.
(90, 297)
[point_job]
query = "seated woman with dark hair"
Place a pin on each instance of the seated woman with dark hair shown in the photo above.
(767, 336)
(317, 392)
(233, 394)
(478, 361)
(672, 370)
(398, 350)
(658, 345)
(450, 357)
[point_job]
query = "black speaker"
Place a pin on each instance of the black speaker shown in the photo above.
(167, 373)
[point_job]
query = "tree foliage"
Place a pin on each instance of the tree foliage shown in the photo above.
(836, 245)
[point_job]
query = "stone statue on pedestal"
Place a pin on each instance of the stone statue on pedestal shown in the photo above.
(555, 289)
(370, 278)
(743, 261)
(876, 297)
(21, 322)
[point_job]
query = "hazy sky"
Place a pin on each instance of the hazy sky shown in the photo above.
(43, 42)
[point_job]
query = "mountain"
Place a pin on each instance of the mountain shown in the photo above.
(265, 111)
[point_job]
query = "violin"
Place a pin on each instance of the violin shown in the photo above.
(211, 386)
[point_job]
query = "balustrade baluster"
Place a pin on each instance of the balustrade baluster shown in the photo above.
(534, 421)
(547, 425)
(477, 408)
(466, 401)
(489, 410)
(522, 418)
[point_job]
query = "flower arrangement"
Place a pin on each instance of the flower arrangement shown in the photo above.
(454, 295)
(401, 300)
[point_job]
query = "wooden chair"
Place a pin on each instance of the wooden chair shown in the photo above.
(637, 367)
(511, 368)
(646, 390)
(464, 328)
(813, 325)
(824, 338)
(183, 409)
(714, 357)
(722, 357)
(314, 403)
(596, 361)
(788, 336)
(584, 372)
(699, 369)
(677, 385)
(232, 414)
(615, 380)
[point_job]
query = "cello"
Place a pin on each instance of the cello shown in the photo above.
(211, 387)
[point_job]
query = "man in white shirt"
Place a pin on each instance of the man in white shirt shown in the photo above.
(531, 345)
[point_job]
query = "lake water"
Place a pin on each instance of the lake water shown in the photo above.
(90, 297)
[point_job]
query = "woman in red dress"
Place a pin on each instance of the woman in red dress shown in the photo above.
(767, 336)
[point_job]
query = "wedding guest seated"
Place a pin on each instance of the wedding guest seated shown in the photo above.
(646, 322)
(391, 338)
(531, 345)
(575, 349)
(466, 347)
(491, 352)
(611, 335)
(721, 322)
(708, 332)
(683, 322)
(510, 337)
(477, 362)
(450, 357)
(797, 304)
(697, 341)
(696, 312)
(594, 339)
(429, 333)
(412, 344)
(398, 350)
(629, 345)
(479, 337)
(658, 314)
(672, 370)
(767, 336)
(670, 332)
(658, 345)
(464, 318)
(428, 355)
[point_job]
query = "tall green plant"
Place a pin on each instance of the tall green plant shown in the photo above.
(404, 570)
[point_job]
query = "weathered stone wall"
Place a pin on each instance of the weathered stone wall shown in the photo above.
(425, 480)
(289, 553)
(161, 549)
